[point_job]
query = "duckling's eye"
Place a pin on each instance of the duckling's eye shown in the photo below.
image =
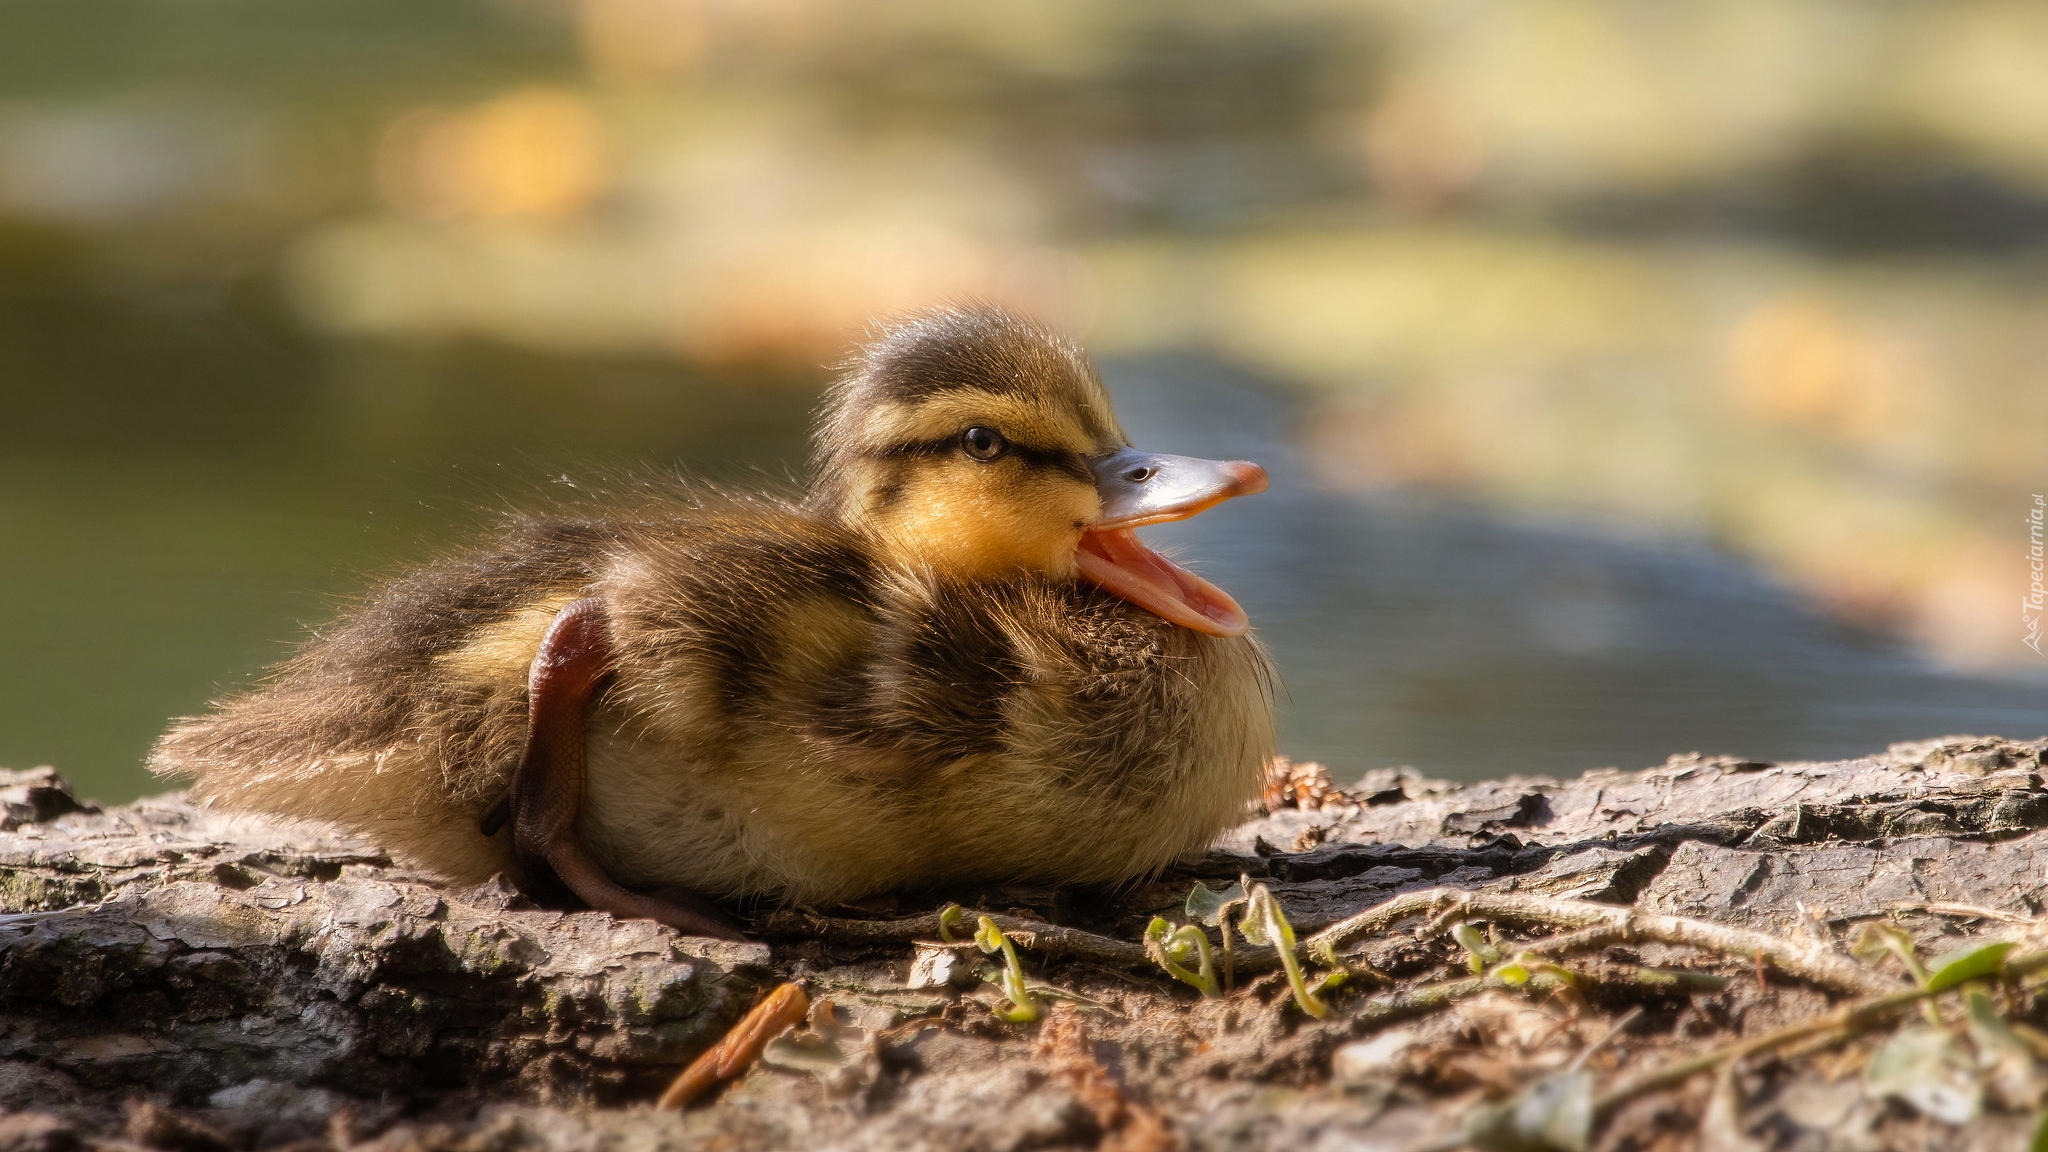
(983, 443)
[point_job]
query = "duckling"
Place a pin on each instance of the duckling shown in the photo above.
(951, 661)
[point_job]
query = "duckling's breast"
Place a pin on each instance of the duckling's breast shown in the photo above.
(824, 737)
(1130, 742)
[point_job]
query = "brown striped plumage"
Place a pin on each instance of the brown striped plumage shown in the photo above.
(898, 681)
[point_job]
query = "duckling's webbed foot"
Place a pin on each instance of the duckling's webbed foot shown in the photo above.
(547, 788)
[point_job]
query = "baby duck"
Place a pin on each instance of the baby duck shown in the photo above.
(953, 661)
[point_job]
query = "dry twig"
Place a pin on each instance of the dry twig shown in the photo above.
(1606, 924)
(1849, 1018)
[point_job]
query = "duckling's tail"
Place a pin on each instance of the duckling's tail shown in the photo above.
(404, 721)
(313, 749)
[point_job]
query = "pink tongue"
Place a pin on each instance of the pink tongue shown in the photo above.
(1119, 564)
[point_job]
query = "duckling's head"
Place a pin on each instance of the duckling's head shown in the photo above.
(977, 445)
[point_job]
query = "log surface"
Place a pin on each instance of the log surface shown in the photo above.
(177, 978)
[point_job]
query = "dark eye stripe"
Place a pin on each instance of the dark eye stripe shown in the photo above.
(1058, 460)
(1072, 463)
(914, 448)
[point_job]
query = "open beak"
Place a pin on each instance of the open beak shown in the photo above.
(1145, 488)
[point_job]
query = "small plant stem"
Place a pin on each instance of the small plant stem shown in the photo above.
(1863, 1013)
(1280, 935)
(1615, 1029)
(1851, 1017)
(1161, 939)
(1953, 910)
(1207, 959)
(1229, 953)
(1055, 941)
(1813, 963)
(1901, 945)
(1394, 1007)
(2032, 1037)
(1223, 915)
(1573, 943)
(1386, 1008)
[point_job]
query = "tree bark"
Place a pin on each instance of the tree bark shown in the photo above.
(184, 979)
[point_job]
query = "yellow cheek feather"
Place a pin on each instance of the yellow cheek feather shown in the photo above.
(969, 519)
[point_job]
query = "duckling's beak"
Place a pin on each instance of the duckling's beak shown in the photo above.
(1145, 488)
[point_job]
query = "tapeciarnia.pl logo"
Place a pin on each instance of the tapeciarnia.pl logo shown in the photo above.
(2031, 608)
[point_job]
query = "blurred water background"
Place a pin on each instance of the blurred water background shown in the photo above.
(1636, 378)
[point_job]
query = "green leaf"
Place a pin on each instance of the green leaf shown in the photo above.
(1972, 963)
(1514, 972)
(2040, 1141)
(1554, 1114)
(1926, 1068)
(1205, 906)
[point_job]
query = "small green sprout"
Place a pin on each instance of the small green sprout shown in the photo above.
(1871, 942)
(1481, 953)
(949, 920)
(1515, 972)
(1523, 970)
(1329, 980)
(1021, 1007)
(1979, 960)
(1264, 923)
(1171, 948)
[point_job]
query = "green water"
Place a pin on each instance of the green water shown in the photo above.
(157, 563)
